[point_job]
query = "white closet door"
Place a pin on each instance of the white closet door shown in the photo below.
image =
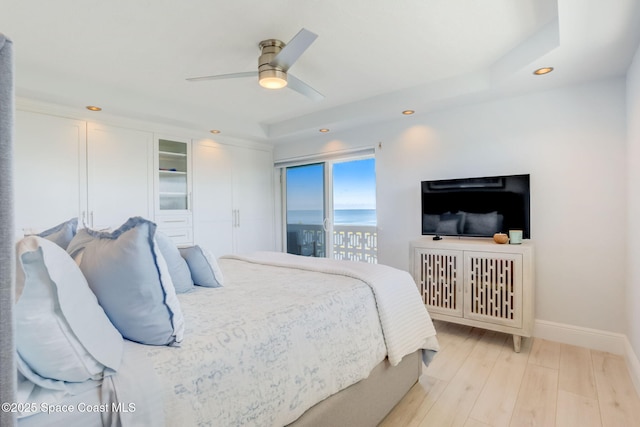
(253, 200)
(120, 171)
(50, 170)
(213, 212)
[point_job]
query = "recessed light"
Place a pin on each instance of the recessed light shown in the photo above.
(93, 108)
(323, 130)
(215, 131)
(408, 112)
(542, 71)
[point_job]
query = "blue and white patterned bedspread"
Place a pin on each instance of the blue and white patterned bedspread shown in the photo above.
(267, 346)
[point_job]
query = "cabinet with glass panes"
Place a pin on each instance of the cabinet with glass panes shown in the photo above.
(173, 184)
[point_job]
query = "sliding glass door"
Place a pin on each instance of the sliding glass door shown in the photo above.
(306, 211)
(331, 210)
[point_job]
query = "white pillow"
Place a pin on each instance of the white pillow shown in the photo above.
(203, 266)
(62, 333)
(127, 272)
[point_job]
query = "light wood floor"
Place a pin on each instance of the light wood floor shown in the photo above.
(477, 380)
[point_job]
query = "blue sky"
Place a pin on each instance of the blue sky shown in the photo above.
(354, 186)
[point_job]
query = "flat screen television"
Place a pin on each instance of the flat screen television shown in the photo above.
(476, 207)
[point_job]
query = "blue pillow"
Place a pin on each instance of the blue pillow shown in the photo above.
(62, 334)
(178, 268)
(129, 276)
(61, 234)
(203, 266)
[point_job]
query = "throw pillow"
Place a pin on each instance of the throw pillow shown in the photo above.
(62, 333)
(61, 234)
(129, 276)
(178, 268)
(203, 266)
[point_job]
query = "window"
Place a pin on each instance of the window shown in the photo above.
(330, 209)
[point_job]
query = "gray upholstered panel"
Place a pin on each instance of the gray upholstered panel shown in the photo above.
(7, 265)
(366, 403)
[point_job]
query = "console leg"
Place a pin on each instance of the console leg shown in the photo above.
(517, 341)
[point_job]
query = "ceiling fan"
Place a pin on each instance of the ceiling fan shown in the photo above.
(274, 63)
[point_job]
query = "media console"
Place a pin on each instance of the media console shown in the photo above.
(477, 282)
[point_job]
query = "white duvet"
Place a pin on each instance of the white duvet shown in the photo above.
(406, 324)
(277, 339)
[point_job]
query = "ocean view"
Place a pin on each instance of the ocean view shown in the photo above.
(341, 217)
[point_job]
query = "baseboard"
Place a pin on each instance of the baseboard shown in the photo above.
(633, 365)
(593, 339)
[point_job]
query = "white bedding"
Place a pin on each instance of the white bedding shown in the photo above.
(267, 346)
(128, 398)
(406, 324)
(279, 337)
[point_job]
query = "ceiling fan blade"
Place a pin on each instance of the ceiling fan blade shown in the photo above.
(303, 88)
(294, 49)
(224, 76)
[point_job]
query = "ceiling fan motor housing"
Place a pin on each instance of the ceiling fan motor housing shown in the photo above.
(266, 72)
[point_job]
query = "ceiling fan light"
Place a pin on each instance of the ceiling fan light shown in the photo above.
(273, 83)
(272, 79)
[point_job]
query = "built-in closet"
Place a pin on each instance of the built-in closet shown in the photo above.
(198, 190)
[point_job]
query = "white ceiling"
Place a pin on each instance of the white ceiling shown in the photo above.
(372, 59)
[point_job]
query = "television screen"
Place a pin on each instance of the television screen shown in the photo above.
(476, 207)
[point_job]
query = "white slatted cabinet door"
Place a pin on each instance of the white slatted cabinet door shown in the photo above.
(441, 281)
(493, 288)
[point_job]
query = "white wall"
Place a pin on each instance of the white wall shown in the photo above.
(572, 142)
(633, 164)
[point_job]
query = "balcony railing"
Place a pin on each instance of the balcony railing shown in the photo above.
(350, 242)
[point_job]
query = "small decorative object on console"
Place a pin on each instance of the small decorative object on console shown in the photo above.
(500, 238)
(515, 237)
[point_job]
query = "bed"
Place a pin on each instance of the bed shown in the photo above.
(265, 339)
